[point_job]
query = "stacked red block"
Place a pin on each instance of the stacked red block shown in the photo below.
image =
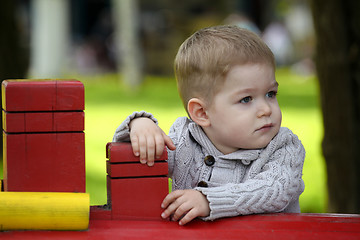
(135, 190)
(44, 142)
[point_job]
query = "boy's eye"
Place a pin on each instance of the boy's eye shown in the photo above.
(271, 94)
(246, 99)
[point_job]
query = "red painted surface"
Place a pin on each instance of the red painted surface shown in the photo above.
(137, 198)
(135, 190)
(15, 122)
(271, 226)
(44, 143)
(44, 95)
(44, 162)
(122, 152)
(136, 169)
(100, 212)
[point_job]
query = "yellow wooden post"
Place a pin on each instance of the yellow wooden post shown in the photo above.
(44, 211)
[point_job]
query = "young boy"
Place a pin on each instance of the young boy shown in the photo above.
(231, 157)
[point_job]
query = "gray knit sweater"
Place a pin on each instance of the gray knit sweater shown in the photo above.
(240, 183)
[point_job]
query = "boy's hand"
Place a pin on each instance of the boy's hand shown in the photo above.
(185, 205)
(148, 140)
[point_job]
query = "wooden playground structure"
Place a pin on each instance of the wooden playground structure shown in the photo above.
(43, 188)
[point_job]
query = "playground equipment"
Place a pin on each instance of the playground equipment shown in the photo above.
(44, 211)
(44, 182)
(44, 142)
(129, 182)
(44, 156)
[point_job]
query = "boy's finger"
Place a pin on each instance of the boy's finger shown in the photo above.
(169, 143)
(135, 145)
(150, 150)
(150, 163)
(170, 210)
(188, 217)
(142, 149)
(168, 205)
(171, 197)
(181, 210)
(159, 143)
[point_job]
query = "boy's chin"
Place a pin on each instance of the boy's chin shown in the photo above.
(260, 144)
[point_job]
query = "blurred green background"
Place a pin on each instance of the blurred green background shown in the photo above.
(108, 102)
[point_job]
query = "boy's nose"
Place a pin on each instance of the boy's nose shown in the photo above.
(264, 109)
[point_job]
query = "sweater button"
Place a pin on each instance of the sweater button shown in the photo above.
(209, 160)
(202, 184)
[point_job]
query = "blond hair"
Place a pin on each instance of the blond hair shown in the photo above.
(204, 59)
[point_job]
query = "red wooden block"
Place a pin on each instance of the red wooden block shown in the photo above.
(136, 169)
(15, 122)
(118, 152)
(70, 95)
(42, 95)
(137, 198)
(100, 212)
(69, 121)
(44, 162)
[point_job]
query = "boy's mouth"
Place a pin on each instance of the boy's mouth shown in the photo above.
(265, 127)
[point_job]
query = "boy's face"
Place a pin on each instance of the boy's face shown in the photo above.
(245, 112)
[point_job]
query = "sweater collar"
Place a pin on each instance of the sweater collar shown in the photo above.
(245, 155)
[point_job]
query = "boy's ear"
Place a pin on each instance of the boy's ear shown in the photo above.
(197, 111)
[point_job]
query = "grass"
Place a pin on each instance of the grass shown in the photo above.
(108, 102)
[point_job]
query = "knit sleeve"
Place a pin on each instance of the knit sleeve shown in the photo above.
(122, 133)
(273, 184)
(176, 133)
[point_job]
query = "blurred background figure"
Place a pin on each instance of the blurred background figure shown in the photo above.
(242, 21)
(278, 39)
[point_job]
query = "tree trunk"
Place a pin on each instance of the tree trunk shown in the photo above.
(130, 60)
(14, 56)
(49, 38)
(337, 27)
